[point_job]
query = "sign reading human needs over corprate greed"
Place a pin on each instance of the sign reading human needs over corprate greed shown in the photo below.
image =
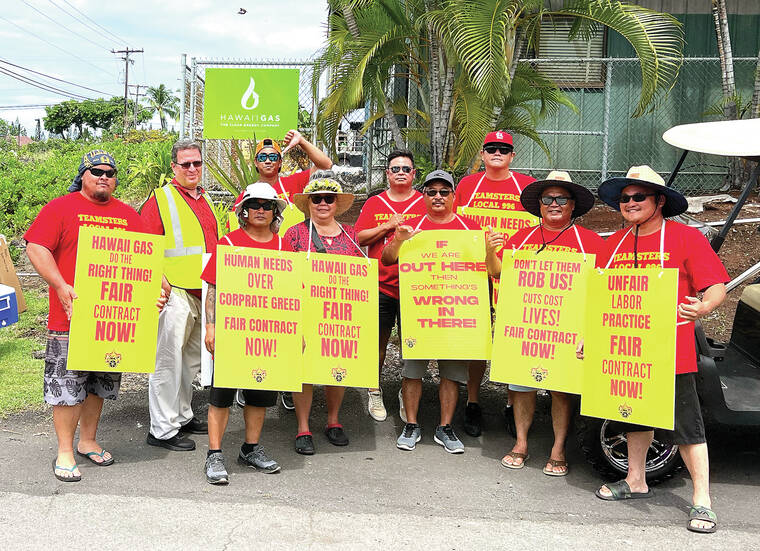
(243, 103)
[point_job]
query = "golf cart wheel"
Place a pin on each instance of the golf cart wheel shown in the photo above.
(608, 453)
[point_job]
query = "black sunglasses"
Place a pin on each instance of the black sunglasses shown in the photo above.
(637, 197)
(503, 149)
(262, 157)
(256, 205)
(442, 192)
(98, 172)
(397, 169)
(196, 164)
(329, 199)
(561, 200)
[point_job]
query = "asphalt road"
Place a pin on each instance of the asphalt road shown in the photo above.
(368, 495)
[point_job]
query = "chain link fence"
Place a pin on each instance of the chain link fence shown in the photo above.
(601, 140)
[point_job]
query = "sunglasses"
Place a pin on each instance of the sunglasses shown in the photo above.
(329, 199)
(196, 164)
(561, 200)
(503, 149)
(397, 169)
(262, 157)
(442, 192)
(256, 205)
(637, 197)
(98, 172)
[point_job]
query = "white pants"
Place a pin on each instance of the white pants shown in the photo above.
(178, 359)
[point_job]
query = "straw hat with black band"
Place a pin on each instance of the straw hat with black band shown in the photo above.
(323, 186)
(531, 195)
(611, 189)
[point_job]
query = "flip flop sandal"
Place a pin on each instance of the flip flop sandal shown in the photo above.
(620, 490)
(555, 463)
(515, 455)
(698, 512)
(90, 455)
(75, 478)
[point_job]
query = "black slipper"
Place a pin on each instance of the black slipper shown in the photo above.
(75, 478)
(620, 490)
(89, 455)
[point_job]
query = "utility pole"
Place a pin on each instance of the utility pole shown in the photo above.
(137, 98)
(126, 59)
(38, 132)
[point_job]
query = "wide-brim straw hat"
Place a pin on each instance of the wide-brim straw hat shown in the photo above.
(323, 186)
(610, 190)
(531, 195)
(259, 190)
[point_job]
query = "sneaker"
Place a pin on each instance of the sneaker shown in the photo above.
(336, 436)
(215, 471)
(473, 419)
(176, 443)
(445, 436)
(375, 405)
(194, 426)
(401, 410)
(287, 400)
(259, 460)
(305, 444)
(409, 437)
(239, 398)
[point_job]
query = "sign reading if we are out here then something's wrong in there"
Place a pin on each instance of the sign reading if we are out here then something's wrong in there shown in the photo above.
(243, 103)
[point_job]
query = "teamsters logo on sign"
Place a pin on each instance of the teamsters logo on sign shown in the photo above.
(243, 103)
(113, 359)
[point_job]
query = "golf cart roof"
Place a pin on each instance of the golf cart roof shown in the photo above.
(728, 138)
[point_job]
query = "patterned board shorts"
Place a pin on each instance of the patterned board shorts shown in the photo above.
(61, 387)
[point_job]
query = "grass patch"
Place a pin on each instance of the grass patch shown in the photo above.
(20, 372)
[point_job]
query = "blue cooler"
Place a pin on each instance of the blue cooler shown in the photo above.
(8, 306)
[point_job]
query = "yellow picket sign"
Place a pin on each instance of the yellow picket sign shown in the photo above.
(258, 319)
(341, 323)
(630, 346)
(115, 319)
(290, 217)
(443, 282)
(540, 310)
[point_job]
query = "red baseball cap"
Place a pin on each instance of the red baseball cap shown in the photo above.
(499, 136)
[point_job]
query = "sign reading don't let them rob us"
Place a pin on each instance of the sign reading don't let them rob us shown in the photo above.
(241, 103)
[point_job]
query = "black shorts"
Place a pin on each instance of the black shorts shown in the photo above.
(689, 427)
(389, 314)
(223, 397)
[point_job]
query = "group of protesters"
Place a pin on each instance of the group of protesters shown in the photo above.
(183, 212)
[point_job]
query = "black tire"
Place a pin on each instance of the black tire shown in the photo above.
(611, 460)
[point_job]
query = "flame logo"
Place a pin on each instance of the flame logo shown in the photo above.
(250, 96)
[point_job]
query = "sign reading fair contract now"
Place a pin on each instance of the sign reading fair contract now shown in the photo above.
(241, 103)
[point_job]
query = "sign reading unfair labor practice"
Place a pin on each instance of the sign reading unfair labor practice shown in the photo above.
(238, 103)
(115, 319)
(340, 318)
(630, 346)
(258, 319)
(443, 282)
(540, 312)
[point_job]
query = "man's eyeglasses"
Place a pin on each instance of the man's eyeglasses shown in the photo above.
(98, 172)
(196, 164)
(442, 192)
(256, 205)
(503, 149)
(637, 197)
(561, 200)
(329, 199)
(262, 157)
(397, 169)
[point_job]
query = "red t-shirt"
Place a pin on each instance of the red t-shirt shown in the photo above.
(239, 238)
(297, 238)
(698, 268)
(56, 228)
(377, 211)
(558, 241)
(492, 194)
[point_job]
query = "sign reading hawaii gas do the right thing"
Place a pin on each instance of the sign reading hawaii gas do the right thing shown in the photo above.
(241, 103)
(630, 350)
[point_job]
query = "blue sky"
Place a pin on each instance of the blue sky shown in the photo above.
(40, 35)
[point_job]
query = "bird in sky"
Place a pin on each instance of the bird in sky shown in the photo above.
(242, 11)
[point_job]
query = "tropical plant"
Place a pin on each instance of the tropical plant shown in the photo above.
(161, 100)
(459, 58)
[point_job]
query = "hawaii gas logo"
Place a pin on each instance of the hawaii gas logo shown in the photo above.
(250, 96)
(248, 101)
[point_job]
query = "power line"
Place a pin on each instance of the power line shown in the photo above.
(61, 25)
(80, 20)
(42, 85)
(119, 39)
(21, 107)
(54, 78)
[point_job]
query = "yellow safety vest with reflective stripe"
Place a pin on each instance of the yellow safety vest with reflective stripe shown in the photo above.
(185, 244)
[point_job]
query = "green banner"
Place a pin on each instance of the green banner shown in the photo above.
(241, 103)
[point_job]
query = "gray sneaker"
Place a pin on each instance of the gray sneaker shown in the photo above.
(409, 437)
(445, 436)
(259, 460)
(215, 471)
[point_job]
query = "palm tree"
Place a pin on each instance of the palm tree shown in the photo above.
(161, 100)
(460, 55)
